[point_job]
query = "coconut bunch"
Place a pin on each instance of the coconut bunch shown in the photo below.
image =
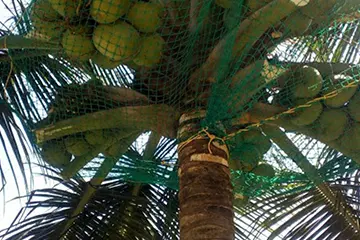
(335, 119)
(87, 145)
(261, 170)
(248, 150)
(300, 86)
(248, 158)
(107, 32)
(349, 140)
(339, 112)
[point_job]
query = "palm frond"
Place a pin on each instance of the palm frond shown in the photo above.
(304, 212)
(160, 168)
(16, 146)
(29, 84)
(338, 44)
(112, 213)
(300, 215)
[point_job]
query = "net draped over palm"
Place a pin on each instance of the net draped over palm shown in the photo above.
(276, 82)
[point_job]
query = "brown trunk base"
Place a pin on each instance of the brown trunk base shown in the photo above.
(206, 194)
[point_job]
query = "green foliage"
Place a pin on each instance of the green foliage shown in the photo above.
(189, 58)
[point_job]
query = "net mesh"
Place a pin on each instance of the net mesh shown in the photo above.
(278, 80)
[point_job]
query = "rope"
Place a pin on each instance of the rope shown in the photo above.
(288, 112)
(200, 134)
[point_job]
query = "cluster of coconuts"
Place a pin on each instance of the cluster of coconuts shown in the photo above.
(302, 85)
(349, 138)
(248, 153)
(109, 32)
(59, 153)
(247, 156)
(334, 119)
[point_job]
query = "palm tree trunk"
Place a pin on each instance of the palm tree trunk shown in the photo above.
(206, 193)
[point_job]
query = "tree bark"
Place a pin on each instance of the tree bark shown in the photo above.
(206, 193)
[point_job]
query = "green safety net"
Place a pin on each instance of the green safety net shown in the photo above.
(278, 81)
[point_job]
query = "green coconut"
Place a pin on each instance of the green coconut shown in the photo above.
(108, 11)
(46, 21)
(77, 46)
(66, 8)
(308, 82)
(104, 62)
(265, 170)
(145, 16)
(119, 41)
(350, 140)
(151, 48)
(297, 23)
(247, 156)
(353, 107)
(342, 97)
(255, 136)
(307, 115)
(43, 10)
(55, 154)
(331, 124)
(48, 30)
(77, 146)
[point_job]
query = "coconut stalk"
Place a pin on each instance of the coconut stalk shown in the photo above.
(205, 191)
(255, 76)
(337, 202)
(19, 42)
(246, 35)
(160, 118)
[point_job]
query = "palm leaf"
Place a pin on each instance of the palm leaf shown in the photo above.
(305, 213)
(16, 145)
(105, 216)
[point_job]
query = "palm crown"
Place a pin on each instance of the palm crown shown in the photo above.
(248, 110)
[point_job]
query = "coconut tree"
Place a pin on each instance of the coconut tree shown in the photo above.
(228, 80)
